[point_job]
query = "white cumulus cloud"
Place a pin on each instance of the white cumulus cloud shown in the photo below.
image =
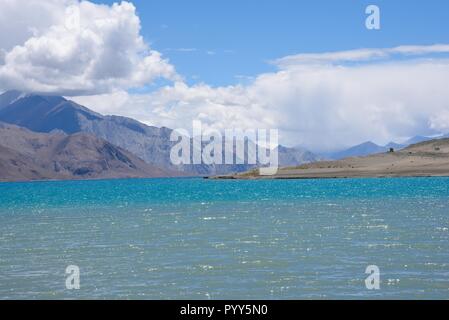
(71, 47)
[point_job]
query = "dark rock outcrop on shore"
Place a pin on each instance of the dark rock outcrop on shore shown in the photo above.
(27, 155)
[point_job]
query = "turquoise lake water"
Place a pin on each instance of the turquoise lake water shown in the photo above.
(211, 239)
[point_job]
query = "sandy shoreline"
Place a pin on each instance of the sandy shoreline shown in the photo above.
(427, 159)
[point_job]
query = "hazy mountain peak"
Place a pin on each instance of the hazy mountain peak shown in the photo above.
(361, 149)
(367, 144)
(8, 97)
(394, 145)
(417, 139)
(43, 113)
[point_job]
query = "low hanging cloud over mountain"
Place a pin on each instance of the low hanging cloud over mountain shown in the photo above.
(70, 47)
(323, 101)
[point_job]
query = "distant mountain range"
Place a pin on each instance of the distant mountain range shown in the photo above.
(53, 114)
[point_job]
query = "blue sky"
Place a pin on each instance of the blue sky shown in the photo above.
(217, 42)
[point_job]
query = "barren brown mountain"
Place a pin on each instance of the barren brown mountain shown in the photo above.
(27, 155)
